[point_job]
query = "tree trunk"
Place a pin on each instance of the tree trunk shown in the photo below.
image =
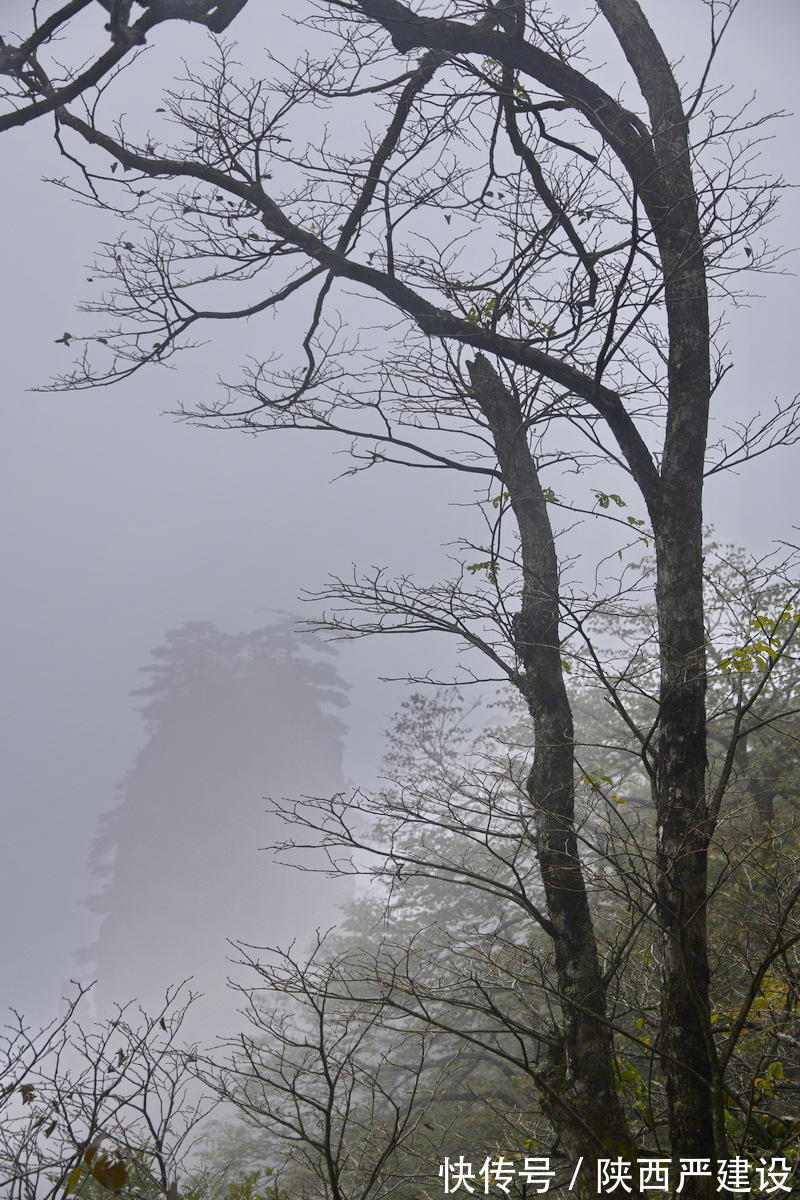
(670, 199)
(579, 1091)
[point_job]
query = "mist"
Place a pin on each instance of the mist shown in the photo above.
(160, 686)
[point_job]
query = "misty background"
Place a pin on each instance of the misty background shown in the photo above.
(126, 531)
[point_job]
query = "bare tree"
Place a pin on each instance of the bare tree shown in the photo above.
(106, 1105)
(336, 1083)
(38, 83)
(610, 239)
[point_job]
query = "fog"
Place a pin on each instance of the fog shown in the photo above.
(131, 847)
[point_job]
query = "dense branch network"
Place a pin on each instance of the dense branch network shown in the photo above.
(542, 269)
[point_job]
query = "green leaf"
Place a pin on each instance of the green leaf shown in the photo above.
(74, 1178)
(604, 498)
(490, 567)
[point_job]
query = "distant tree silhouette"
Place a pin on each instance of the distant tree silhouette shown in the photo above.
(232, 719)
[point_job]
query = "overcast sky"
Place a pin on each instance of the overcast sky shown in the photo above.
(121, 523)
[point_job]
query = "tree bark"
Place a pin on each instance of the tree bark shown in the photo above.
(680, 787)
(579, 1091)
